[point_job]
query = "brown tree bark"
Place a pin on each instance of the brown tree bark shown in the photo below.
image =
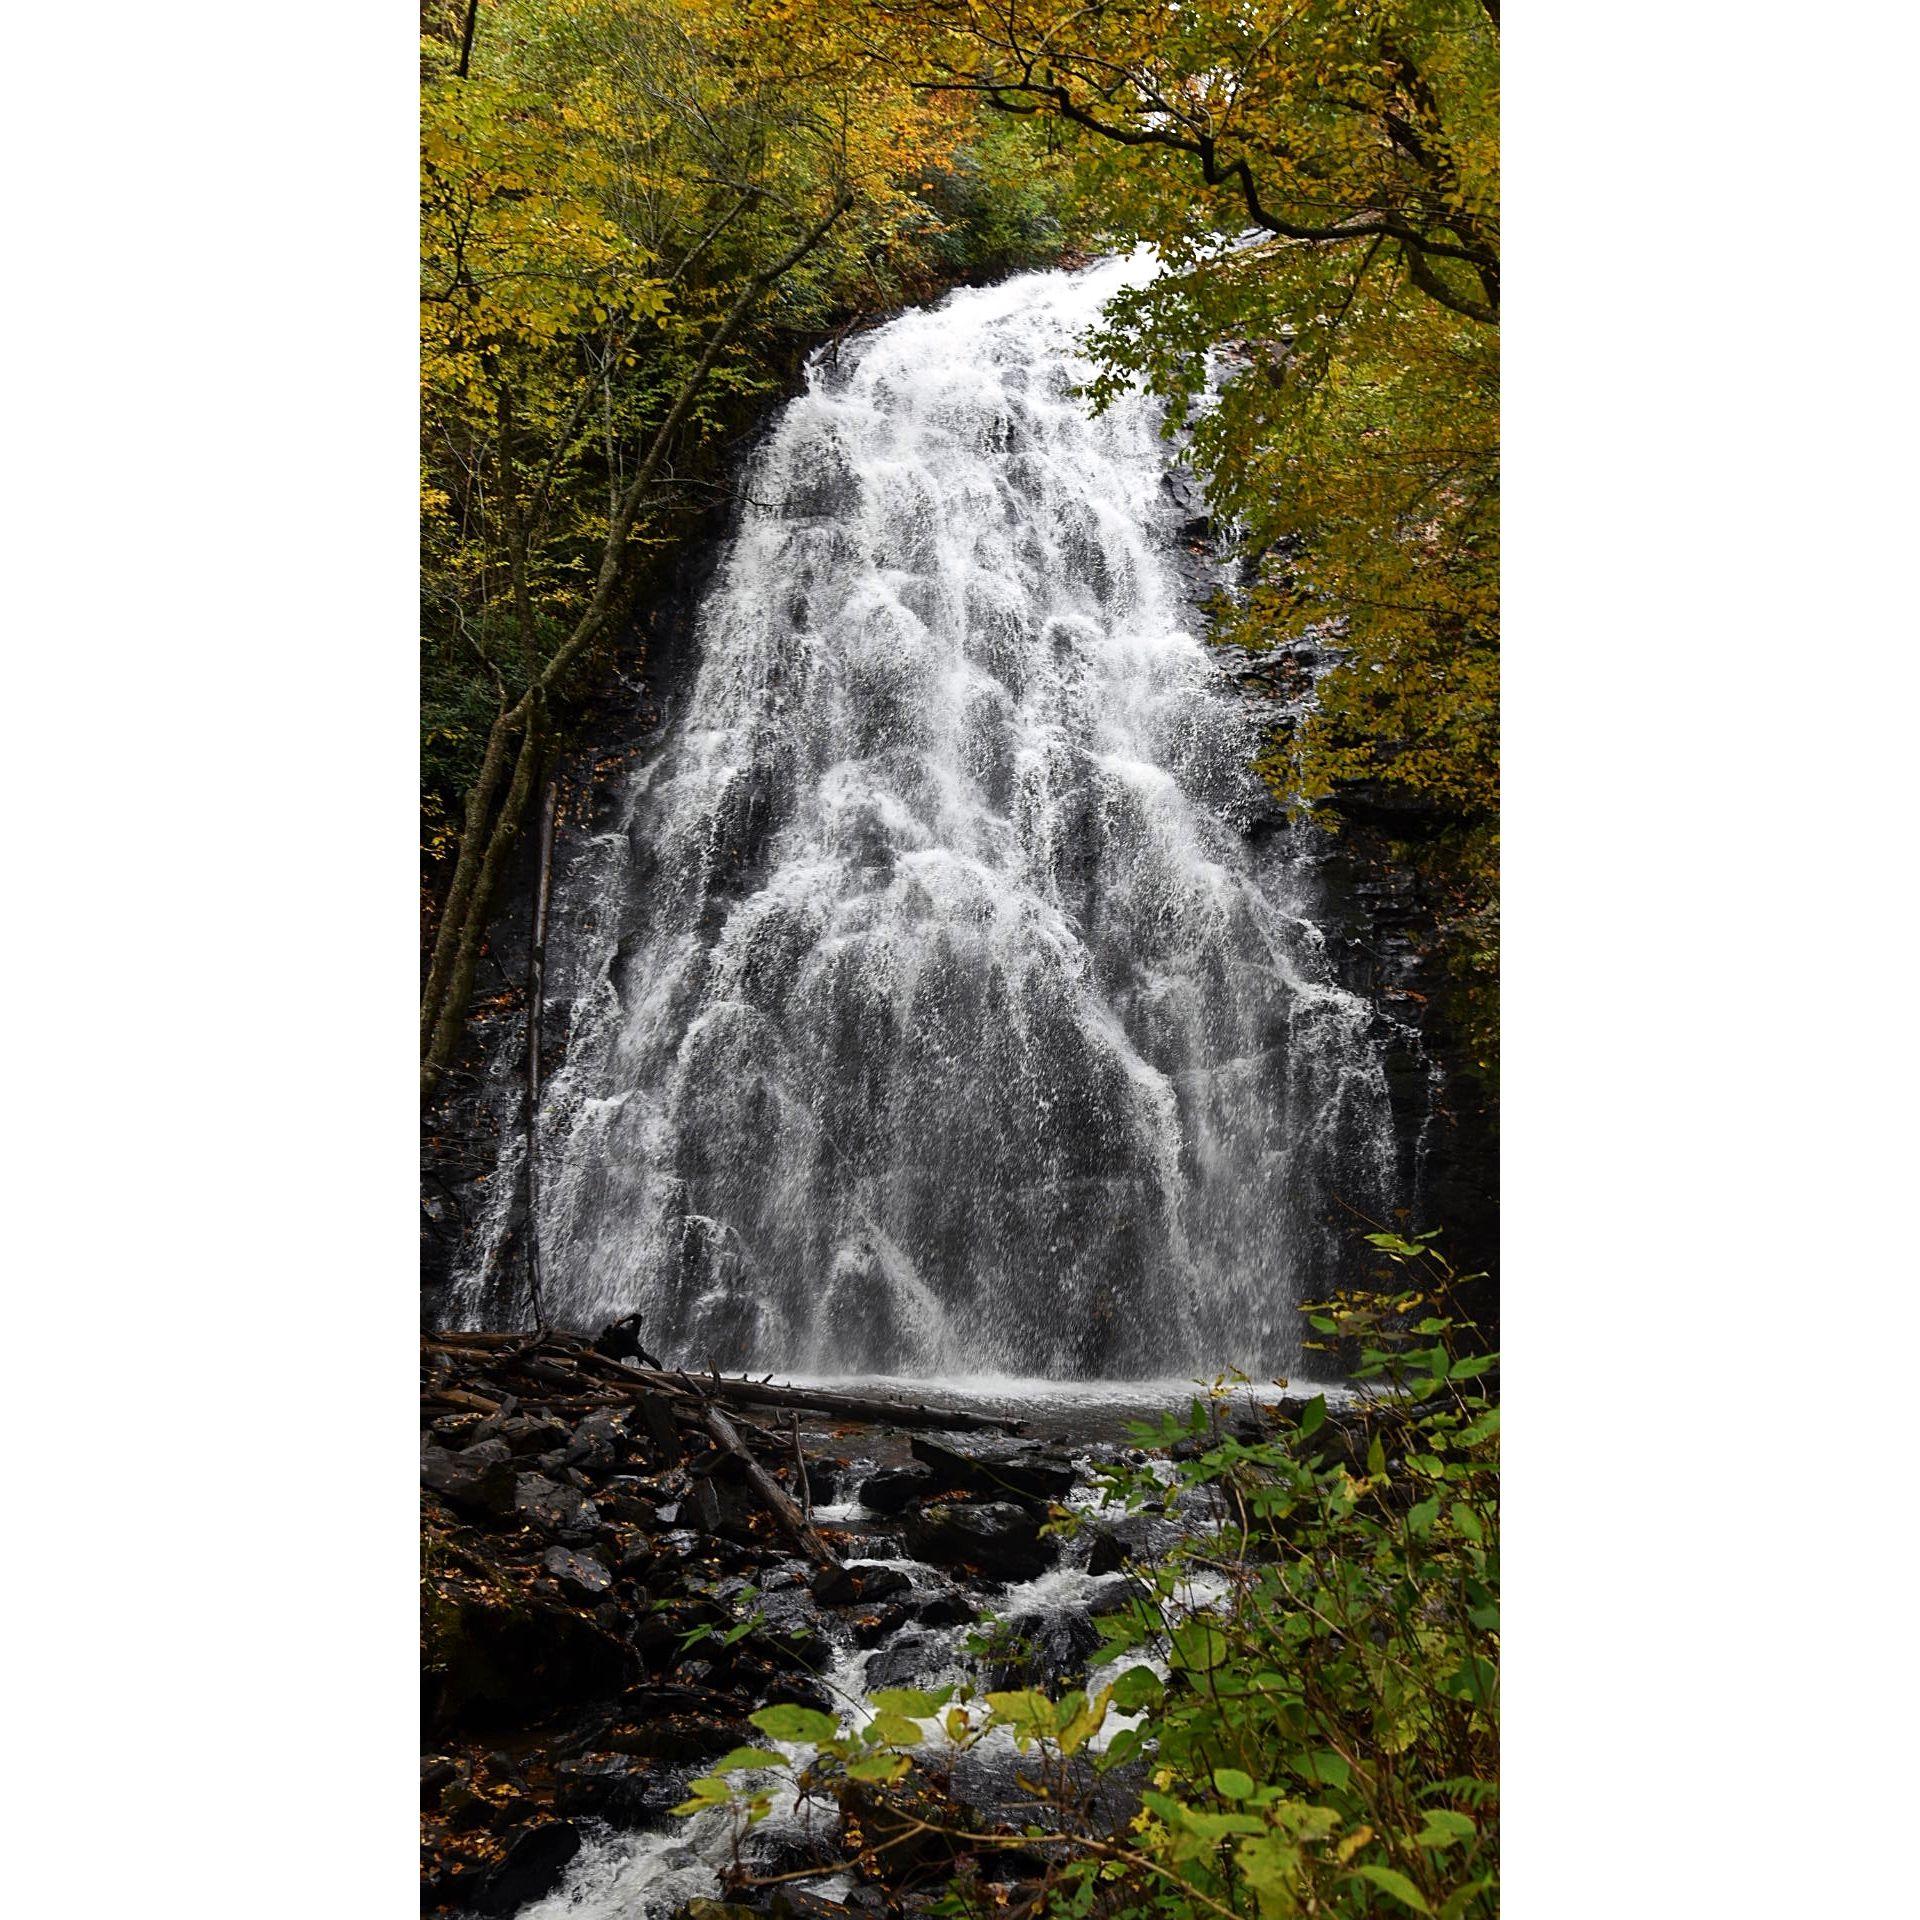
(536, 1003)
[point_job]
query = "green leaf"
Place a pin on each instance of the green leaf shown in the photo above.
(1313, 1415)
(1216, 1826)
(1231, 1784)
(1084, 1724)
(1376, 1458)
(1198, 1646)
(1468, 1522)
(1271, 1866)
(1326, 1769)
(894, 1730)
(794, 1723)
(1120, 1749)
(1391, 1880)
(1024, 1708)
(1139, 1686)
(911, 1701)
(704, 1793)
(743, 1757)
(1445, 1828)
(1461, 1898)
(885, 1767)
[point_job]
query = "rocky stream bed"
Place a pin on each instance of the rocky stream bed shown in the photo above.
(607, 1594)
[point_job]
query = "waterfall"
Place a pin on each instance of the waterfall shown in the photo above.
(935, 1012)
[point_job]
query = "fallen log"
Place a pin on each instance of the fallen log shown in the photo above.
(847, 1406)
(468, 1402)
(869, 1408)
(773, 1495)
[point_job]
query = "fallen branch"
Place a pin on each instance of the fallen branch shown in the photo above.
(772, 1495)
(571, 1351)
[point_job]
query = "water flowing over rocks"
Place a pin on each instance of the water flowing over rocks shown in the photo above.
(931, 1003)
(572, 1691)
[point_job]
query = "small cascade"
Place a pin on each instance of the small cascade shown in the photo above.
(938, 1013)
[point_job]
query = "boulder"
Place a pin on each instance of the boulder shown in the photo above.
(680, 1739)
(599, 1443)
(896, 1489)
(998, 1538)
(563, 1511)
(581, 1576)
(947, 1610)
(1026, 1475)
(910, 1659)
(1049, 1651)
(892, 1824)
(877, 1629)
(536, 1860)
(797, 1690)
(859, 1584)
(477, 1481)
(619, 1788)
(524, 1433)
(496, 1659)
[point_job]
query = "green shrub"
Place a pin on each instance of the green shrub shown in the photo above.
(1325, 1738)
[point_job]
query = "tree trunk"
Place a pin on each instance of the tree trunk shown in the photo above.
(459, 989)
(536, 1005)
(457, 942)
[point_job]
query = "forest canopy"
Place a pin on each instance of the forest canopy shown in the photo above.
(638, 215)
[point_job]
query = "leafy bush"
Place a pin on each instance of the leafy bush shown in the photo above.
(1319, 1734)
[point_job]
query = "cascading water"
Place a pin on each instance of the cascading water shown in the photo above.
(938, 1016)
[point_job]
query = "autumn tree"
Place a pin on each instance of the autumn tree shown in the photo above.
(626, 205)
(1321, 181)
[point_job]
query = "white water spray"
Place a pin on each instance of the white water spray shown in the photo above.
(937, 1015)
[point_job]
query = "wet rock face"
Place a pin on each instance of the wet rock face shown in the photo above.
(535, 1860)
(996, 1537)
(478, 1480)
(995, 1472)
(1046, 1650)
(896, 1490)
(859, 1585)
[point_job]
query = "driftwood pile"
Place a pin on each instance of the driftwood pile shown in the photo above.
(568, 1372)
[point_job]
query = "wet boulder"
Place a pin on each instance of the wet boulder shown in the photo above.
(580, 1575)
(1045, 1650)
(911, 1658)
(1023, 1474)
(894, 1490)
(536, 1859)
(890, 1826)
(997, 1537)
(557, 1509)
(946, 1610)
(680, 1739)
(619, 1788)
(860, 1583)
(877, 1629)
(478, 1481)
